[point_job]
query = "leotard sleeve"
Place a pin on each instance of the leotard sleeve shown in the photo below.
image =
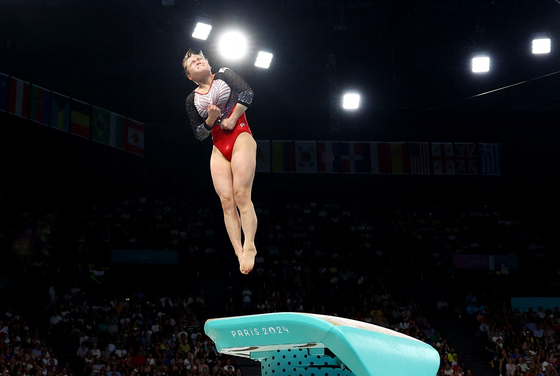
(237, 84)
(198, 124)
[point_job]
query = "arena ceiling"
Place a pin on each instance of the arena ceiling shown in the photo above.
(409, 55)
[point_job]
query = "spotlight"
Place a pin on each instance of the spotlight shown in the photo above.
(542, 44)
(233, 45)
(202, 30)
(480, 64)
(351, 101)
(263, 60)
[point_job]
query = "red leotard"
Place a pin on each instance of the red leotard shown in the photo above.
(225, 139)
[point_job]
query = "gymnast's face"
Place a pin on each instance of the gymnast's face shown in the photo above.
(196, 67)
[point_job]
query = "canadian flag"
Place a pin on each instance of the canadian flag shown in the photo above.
(135, 137)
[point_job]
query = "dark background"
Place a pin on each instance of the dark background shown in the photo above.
(409, 60)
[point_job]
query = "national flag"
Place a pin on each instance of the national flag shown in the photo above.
(378, 155)
(306, 156)
(442, 158)
(328, 156)
(135, 139)
(19, 98)
(489, 159)
(80, 117)
(40, 105)
(398, 160)
(4, 91)
(117, 131)
(354, 157)
(466, 158)
(283, 156)
(263, 155)
(60, 112)
(419, 154)
(100, 125)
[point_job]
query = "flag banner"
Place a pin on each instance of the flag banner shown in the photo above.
(354, 157)
(117, 131)
(135, 139)
(328, 157)
(419, 154)
(306, 156)
(18, 103)
(489, 159)
(4, 91)
(263, 155)
(377, 157)
(466, 158)
(100, 125)
(40, 105)
(283, 156)
(60, 112)
(398, 160)
(80, 117)
(442, 158)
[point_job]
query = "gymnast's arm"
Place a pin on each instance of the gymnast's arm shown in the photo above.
(201, 127)
(244, 100)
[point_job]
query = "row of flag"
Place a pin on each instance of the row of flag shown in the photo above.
(357, 157)
(51, 109)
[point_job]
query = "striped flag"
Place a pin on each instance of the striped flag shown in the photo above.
(40, 105)
(19, 98)
(100, 125)
(263, 155)
(328, 157)
(489, 159)
(135, 139)
(117, 131)
(398, 160)
(419, 154)
(378, 157)
(442, 158)
(4, 91)
(306, 156)
(283, 156)
(354, 157)
(466, 158)
(80, 117)
(60, 112)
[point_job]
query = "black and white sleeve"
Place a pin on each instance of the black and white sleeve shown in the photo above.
(198, 124)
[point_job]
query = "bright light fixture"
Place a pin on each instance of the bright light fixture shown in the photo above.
(201, 31)
(541, 46)
(351, 101)
(233, 45)
(263, 60)
(480, 64)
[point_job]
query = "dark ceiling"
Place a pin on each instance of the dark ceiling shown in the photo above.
(125, 55)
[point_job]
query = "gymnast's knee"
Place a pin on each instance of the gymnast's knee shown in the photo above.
(243, 198)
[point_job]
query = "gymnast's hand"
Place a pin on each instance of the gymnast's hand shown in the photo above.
(213, 113)
(228, 123)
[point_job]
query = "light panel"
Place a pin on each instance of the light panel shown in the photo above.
(233, 45)
(351, 101)
(202, 31)
(263, 60)
(541, 46)
(480, 64)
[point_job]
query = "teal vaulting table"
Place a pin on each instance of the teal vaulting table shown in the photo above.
(301, 344)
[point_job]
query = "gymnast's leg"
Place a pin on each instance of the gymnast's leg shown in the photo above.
(243, 166)
(222, 178)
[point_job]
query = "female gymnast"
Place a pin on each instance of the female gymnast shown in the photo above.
(217, 107)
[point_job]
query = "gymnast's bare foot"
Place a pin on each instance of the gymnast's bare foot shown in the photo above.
(247, 260)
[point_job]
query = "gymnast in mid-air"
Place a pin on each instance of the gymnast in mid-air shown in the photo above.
(217, 108)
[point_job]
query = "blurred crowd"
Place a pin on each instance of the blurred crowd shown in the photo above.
(347, 260)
